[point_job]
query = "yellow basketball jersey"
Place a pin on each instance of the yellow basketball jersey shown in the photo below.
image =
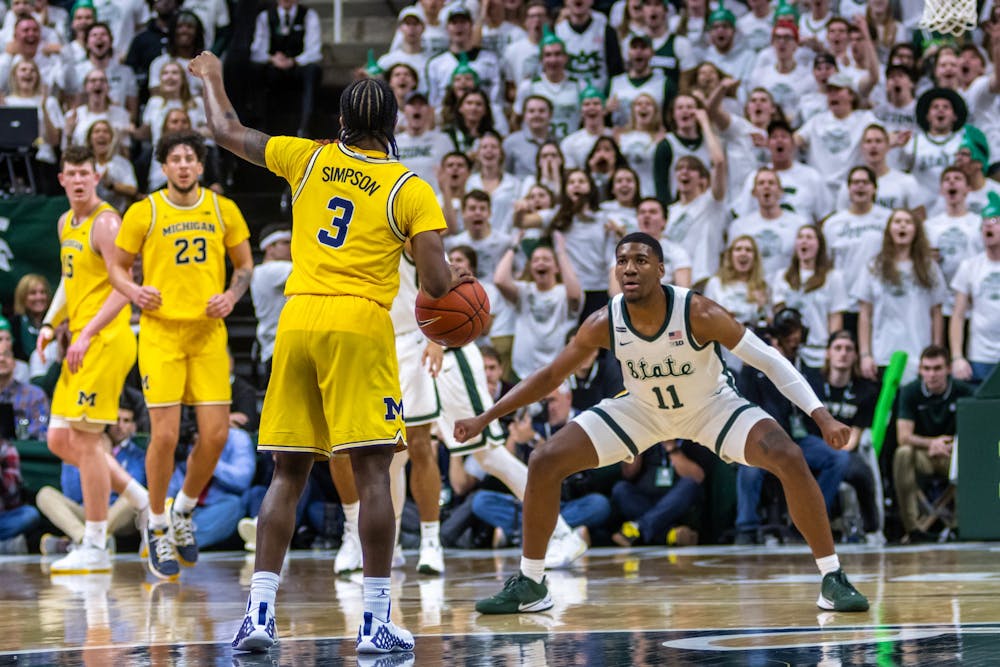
(352, 210)
(183, 248)
(84, 273)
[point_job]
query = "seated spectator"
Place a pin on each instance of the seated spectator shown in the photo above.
(925, 430)
(243, 407)
(118, 184)
(597, 378)
(16, 518)
(97, 105)
(185, 40)
(221, 503)
(659, 487)
(579, 506)
(900, 296)
(32, 297)
(25, 88)
(31, 405)
(148, 44)
(286, 49)
(851, 399)
(978, 294)
(827, 464)
(127, 462)
(267, 290)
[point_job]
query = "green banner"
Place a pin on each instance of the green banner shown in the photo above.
(29, 241)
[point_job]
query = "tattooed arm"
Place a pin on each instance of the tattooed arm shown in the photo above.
(226, 128)
(221, 305)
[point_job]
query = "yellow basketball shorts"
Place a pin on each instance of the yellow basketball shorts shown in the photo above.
(334, 378)
(91, 394)
(184, 361)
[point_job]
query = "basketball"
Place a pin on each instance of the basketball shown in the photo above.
(457, 318)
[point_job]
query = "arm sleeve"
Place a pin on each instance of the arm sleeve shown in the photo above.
(752, 350)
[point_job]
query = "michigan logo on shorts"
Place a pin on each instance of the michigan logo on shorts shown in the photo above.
(392, 408)
(87, 399)
(145, 382)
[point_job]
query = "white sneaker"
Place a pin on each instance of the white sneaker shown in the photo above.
(431, 558)
(84, 559)
(141, 522)
(258, 631)
(247, 528)
(398, 559)
(376, 636)
(876, 539)
(348, 557)
(563, 550)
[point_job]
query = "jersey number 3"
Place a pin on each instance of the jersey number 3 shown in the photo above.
(343, 211)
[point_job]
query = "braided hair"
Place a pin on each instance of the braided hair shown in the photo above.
(368, 109)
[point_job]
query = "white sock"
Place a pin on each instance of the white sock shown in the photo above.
(136, 495)
(377, 598)
(184, 504)
(158, 521)
(533, 569)
(95, 533)
(429, 531)
(263, 588)
(351, 512)
(828, 564)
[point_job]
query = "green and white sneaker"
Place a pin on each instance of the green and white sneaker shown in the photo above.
(520, 594)
(837, 594)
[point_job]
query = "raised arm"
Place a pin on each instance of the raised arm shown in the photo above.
(720, 170)
(226, 128)
(574, 293)
(503, 275)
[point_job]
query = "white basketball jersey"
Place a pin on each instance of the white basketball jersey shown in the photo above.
(404, 320)
(669, 371)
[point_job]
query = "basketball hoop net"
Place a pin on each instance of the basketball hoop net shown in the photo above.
(949, 16)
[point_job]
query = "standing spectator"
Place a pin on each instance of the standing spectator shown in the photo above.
(243, 412)
(673, 43)
(698, 217)
(815, 289)
(739, 285)
(772, 227)
(896, 189)
(547, 306)
(639, 78)
(421, 146)
(453, 175)
(286, 49)
(31, 405)
(639, 138)
(479, 234)
(658, 488)
(122, 87)
(148, 44)
(973, 157)
(925, 429)
(725, 51)
(977, 292)
(27, 45)
(895, 106)
(267, 289)
(954, 234)
(941, 115)
(185, 40)
(592, 45)
(214, 18)
(81, 18)
(97, 105)
(458, 22)
(651, 218)
(522, 58)
(26, 89)
(118, 185)
(521, 147)
(578, 144)
(602, 161)
(410, 51)
(785, 78)
(16, 518)
(687, 136)
(622, 199)
(900, 297)
(556, 85)
(125, 17)
(498, 25)
(589, 241)
(502, 187)
(473, 118)
(434, 39)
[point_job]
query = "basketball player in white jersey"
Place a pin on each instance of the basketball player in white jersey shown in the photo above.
(668, 341)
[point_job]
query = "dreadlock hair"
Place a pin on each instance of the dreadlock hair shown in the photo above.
(368, 109)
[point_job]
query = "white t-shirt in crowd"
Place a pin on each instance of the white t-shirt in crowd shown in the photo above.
(852, 240)
(542, 321)
(815, 306)
(698, 227)
(979, 278)
(775, 238)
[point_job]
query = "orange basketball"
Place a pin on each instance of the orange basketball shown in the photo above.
(457, 318)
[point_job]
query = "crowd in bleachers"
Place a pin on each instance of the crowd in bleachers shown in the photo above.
(821, 169)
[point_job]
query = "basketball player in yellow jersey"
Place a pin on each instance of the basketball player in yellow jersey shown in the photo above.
(184, 233)
(335, 384)
(99, 357)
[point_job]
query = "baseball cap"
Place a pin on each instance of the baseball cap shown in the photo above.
(639, 37)
(840, 80)
(414, 97)
(825, 58)
(458, 11)
(412, 12)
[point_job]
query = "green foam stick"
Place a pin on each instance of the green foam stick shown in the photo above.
(883, 408)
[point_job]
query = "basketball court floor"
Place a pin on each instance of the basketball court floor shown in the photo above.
(931, 605)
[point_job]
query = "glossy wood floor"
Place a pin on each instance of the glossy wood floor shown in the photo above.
(931, 605)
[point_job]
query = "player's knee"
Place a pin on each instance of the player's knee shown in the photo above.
(785, 458)
(551, 463)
